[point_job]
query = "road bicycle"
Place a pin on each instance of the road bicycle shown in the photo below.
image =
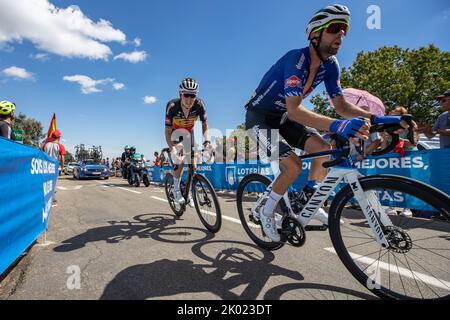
(203, 195)
(395, 257)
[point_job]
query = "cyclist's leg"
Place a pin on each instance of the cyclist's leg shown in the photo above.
(179, 166)
(260, 129)
(309, 140)
(316, 144)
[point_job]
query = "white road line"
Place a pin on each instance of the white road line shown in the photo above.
(113, 186)
(128, 190)
(61, 188)
(159, 199)
(213, 214)
(402, 271)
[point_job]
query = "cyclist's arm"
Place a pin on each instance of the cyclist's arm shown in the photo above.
(169, 137)
(205, 130)
(349, 110)
(298, 113)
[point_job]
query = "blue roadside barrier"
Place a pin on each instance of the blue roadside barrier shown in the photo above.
(429, 166)
(27, 184)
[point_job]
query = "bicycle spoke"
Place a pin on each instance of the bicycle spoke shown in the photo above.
(412, 272)
(428, 250)
(360, 244)
(400, 275)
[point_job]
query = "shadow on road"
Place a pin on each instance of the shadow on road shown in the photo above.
(239, 264)
(155, 225)
(232, 271)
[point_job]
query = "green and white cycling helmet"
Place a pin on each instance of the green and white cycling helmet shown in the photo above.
(326, 15)
(6, 107)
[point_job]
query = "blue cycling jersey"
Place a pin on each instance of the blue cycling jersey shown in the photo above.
(288, 78)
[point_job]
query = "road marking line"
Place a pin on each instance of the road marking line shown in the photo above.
(234, 220)
(128, 190)
(61, 188)
(113, 186)
(402, 271)
(160, 199)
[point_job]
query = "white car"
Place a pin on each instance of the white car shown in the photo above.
(68, 170)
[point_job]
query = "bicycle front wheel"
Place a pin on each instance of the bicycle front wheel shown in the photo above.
(206, 203)
(168, 186)
(416, 223)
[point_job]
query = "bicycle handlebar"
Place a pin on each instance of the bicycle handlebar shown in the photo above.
(343, 145)
(390, 129)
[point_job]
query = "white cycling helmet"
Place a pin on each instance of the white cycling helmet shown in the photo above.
(327, 14)
(189, 85)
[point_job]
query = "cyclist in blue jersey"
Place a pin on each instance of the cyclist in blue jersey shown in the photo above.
(277, 104)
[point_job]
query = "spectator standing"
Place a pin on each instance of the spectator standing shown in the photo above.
(442, 125)
(218, 152)
(6, 117)
(56, 150)
(157, 162)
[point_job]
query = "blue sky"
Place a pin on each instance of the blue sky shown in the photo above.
(226, 45)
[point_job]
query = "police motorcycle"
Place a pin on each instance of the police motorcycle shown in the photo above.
(137, 171)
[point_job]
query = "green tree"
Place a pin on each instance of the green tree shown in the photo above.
(69, 157)
(399, 77)
(33, 129)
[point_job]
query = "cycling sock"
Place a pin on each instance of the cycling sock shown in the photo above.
(176, 184)
(271, 204)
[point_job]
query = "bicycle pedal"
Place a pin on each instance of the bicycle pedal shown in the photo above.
(316, 228)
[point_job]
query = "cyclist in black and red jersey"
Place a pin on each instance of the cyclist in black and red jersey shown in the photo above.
(181, 116)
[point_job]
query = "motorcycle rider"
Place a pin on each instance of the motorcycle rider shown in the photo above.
(125, 161)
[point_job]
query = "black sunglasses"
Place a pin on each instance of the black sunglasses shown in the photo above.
(189, 95)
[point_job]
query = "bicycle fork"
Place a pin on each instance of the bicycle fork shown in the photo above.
(370, 205)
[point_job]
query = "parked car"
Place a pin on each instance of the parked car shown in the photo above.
(68, 169)
(90, 169)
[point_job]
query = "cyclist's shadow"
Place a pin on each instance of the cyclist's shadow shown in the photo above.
(237, 272)
(143, 226)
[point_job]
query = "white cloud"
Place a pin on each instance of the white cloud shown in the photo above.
(18, 73)
(65, 32)
(137, 42)
(149, 100)
(133, 57)
(87, 84)
(40, 56)
(118, 86)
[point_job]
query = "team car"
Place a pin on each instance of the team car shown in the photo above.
(90, 169)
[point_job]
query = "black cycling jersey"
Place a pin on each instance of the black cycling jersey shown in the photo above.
(6, 131)
(176, 119)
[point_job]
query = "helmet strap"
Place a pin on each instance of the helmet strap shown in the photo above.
(316, 45)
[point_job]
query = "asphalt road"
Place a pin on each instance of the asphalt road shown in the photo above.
(109, 241)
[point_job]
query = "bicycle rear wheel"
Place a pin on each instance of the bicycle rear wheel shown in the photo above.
(206, 203)
(253, 188)
(416, 265)
(168, 186)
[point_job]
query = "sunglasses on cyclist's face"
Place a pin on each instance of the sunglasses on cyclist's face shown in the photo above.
(189, 95)
(335, 27)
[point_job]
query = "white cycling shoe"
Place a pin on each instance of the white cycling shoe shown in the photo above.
(269, 226)
(178, 197)
(190, 202)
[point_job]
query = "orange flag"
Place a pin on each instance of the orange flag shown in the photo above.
(52, 127)
(50, 131)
